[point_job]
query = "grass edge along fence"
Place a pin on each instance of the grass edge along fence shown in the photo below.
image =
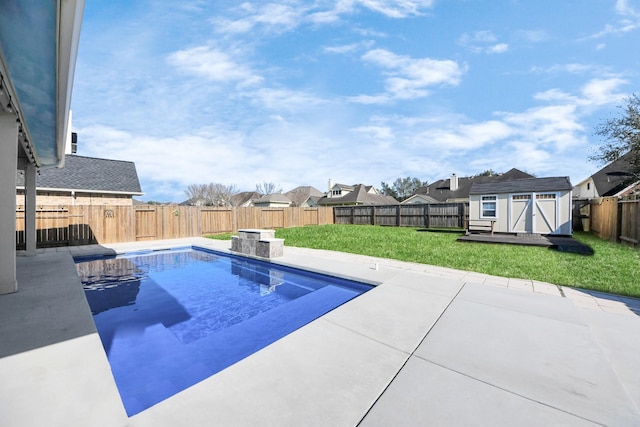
(85, 225)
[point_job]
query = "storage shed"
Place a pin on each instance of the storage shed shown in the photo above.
(522, 206)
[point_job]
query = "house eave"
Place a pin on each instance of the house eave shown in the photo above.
(84, 191)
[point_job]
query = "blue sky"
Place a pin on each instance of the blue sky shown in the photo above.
(359, 91)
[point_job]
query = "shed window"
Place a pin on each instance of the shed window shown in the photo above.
(488, 206)
(545, 196)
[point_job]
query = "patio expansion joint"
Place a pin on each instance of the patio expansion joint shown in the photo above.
(528, 313)
(506, 390)
(410, 355)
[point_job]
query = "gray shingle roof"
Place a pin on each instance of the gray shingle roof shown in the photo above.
(301, 194)
(614, 177)
(560, 183)
(441, 190)
(89, 174)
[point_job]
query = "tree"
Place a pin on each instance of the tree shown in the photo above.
(267, 188)
(488, 172)
(621, 135)
(402, 188)
(212, 194)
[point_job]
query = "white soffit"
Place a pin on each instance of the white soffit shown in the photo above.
(38, 49)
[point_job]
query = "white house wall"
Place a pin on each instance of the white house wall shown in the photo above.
(585, 190)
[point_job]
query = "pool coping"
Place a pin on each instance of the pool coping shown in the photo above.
(349, 367)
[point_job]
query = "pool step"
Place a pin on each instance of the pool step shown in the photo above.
(256, 242)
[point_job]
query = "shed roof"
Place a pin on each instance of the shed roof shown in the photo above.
(89, 174)
(560, 183)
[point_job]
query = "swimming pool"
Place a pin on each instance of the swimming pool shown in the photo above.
(169, 319)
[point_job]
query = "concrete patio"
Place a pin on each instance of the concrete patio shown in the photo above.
(427, 346)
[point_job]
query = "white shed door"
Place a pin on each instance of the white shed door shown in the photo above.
(534, 213)
(520, 219)
(546, 213)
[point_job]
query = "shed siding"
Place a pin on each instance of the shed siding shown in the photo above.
(504, 219)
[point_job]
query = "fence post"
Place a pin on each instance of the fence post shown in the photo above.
(373, 215)
(618, 222)
(637, 219)
(426, 215)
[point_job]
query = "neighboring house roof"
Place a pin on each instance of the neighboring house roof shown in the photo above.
(614, 177)
(561, 183)
(302, 194)
(345, 186)
(243, 199)
(89, 174)
(306, 189)
(358, 196)
(441, 190)
(278, 199)
(419, 198)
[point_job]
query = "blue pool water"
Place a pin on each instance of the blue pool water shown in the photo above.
(169, 319)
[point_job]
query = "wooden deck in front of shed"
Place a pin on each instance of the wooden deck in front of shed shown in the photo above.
(560, 243)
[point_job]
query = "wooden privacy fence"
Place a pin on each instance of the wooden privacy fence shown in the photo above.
(616, 219)
(432, 215)
(82, 225)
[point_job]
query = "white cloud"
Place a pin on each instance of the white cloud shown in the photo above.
(534, 36)
(465, 137)
(477, 37)
(213, 64)
(556, 127)
(482, 42)
(375, 132)
(348, 48)
(597, 92)
(395, 8)
(275, 17)
(279, 17)
(409, 78)
(623, 7)
(573, 68)
(497, 48)
(283, 99)
(555, 95)
(370, 99)
(630, 20)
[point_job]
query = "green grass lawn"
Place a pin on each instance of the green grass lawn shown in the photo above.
(612, 268)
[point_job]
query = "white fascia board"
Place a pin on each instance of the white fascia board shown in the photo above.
(69, 24)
